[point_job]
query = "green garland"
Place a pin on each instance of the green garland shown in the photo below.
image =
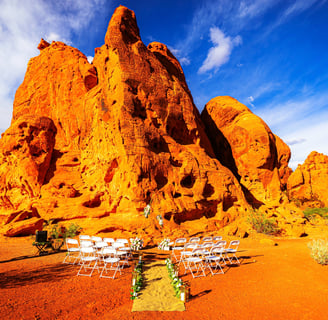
(137, 280)
(176, 282)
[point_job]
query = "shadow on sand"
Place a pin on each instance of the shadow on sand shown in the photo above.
(52, 273)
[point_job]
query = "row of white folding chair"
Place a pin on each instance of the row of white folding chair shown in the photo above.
(211, 253)
(199, 259)
(180, 243)
(98, 239)
(107, 262)
(122, 250)
(229, 251)
(74, 248)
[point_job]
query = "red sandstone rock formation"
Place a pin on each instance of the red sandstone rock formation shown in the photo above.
(245, 144)
(94, 143)
(307, 185)
(127, 133)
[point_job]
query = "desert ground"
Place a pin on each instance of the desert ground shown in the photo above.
(272, 282)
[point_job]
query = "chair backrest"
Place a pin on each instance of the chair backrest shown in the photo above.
(234, 244)
(86, 243)
(84, 237)
(190, 246)
(109, 240)
(217, 249)
(72, 242)
(109, 251)
(194, 240)
(125, 241)
(101, 244)
(207, 245)
(118, 244)
(207, 239)
(217, 238)
(221, 243)
(180, 241)
(198, 251)
(96, 239)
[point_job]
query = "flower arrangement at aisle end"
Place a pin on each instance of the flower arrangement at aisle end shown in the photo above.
(164, 244)
(136, 244)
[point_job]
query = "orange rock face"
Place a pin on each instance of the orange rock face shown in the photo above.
(26, 151)
(245, 144)
(308, 183)
(95, 143)
(128, 134)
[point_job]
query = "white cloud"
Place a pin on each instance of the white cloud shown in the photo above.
(220, 53)
(185, 61)
(250, 100)
(302, 123)
(23, 24)
(310, 137)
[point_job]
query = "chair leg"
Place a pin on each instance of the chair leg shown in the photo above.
(86, 266)
(111, 267)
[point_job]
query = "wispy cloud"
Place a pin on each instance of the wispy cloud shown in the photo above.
(185, 61)
(23, 24)
(219, 54)
(253, 8)
(294, 8)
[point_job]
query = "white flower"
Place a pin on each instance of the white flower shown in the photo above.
(136, 244)
(147, 210)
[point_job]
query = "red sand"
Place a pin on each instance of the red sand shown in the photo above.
(272, 282)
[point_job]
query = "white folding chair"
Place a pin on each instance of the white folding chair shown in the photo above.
(84, 237)
(73, 251)
(230, 252)
(221, 243)
(86, 243)
(99, 245)
(88, 261)
(122, 251)
(96, 239)
(207, 246)
(177, 248)
(195, 263)
(187, 252)
(111, 263)
(194, 240)
(212, 261)
(217, 238)
(109, 240)
(207, 239)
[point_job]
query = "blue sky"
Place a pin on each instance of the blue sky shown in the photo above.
(269, 54)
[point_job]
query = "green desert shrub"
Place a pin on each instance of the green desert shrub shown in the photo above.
(263, 224)
(62, 232)
(319, 251)
(311, 212)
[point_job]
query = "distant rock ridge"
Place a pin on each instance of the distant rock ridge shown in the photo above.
(95, 143)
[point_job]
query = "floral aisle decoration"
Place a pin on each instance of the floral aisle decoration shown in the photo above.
(160, 220)
(137, 280)
(164, 244)
(136, 244)
(181, 289)
(147, 210)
